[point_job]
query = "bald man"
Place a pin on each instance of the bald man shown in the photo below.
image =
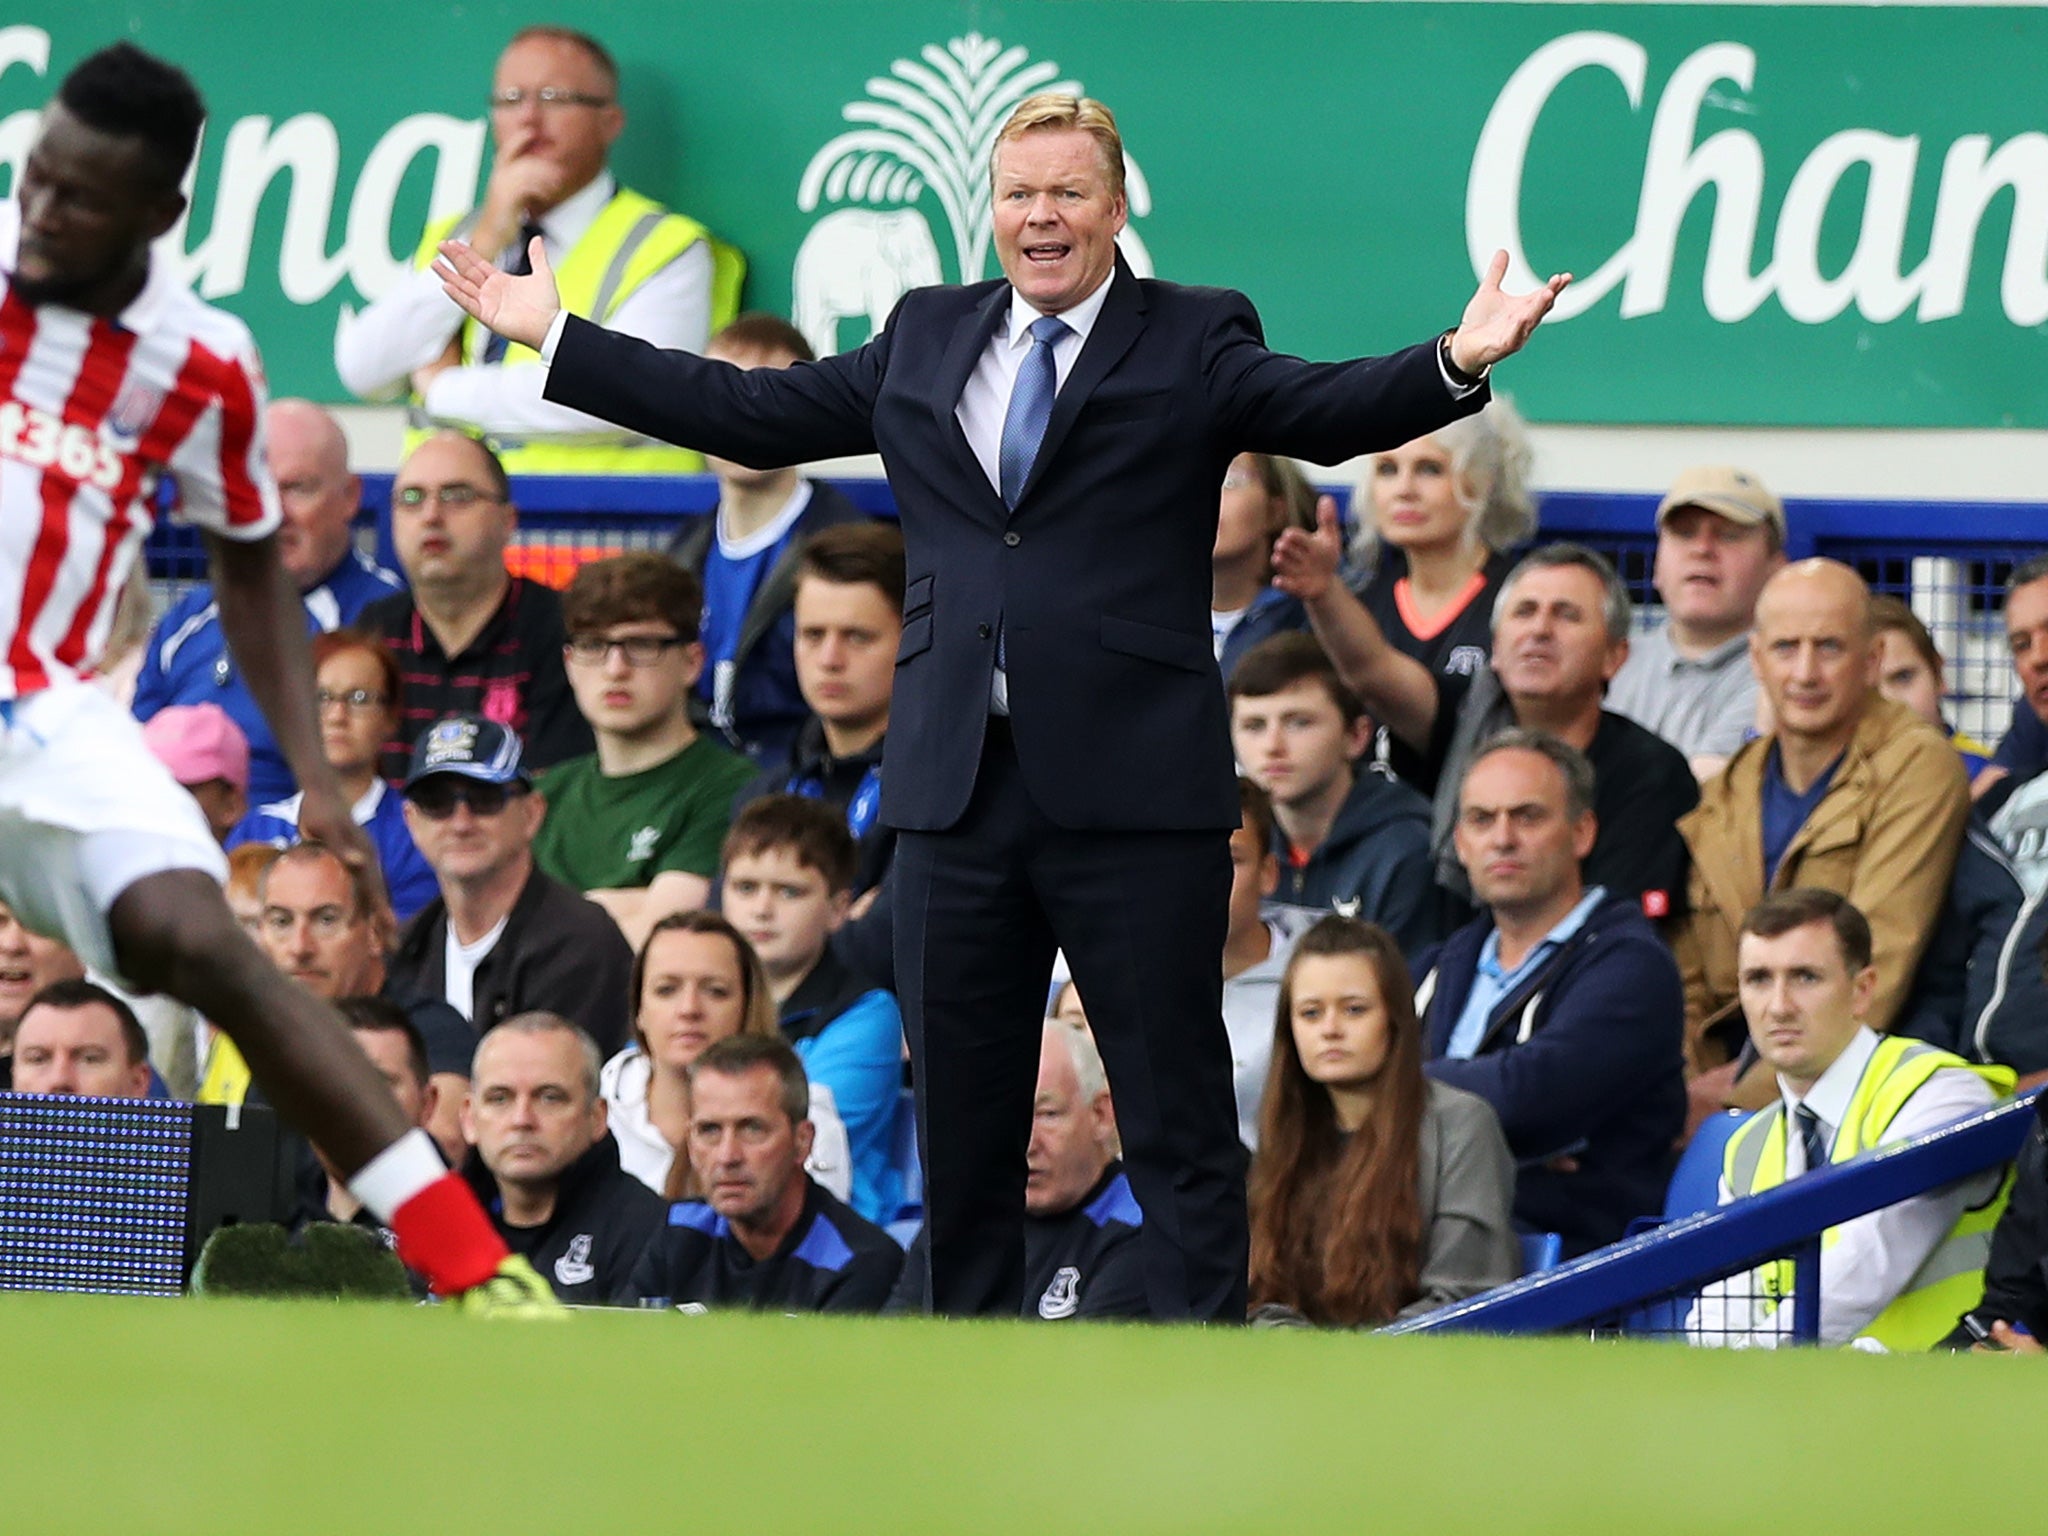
(186, 660)
(1850, 792)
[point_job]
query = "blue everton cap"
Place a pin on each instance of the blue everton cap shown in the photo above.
(471, 747)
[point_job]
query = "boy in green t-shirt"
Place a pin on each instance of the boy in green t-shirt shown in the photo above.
(636, 826)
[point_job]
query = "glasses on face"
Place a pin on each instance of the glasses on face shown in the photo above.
(547, 97)
(351, 699)
(326, 922)
(453, 497)
(639, 650)
(437, 797)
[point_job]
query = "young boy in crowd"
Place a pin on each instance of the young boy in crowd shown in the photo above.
(635, 825)
(789, 867)
(1349, 837)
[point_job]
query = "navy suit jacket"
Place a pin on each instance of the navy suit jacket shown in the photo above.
(1100, 577)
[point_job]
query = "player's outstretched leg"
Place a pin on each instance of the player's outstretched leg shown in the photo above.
(172, 932)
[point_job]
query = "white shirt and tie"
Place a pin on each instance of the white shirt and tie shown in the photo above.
(1874, 1257)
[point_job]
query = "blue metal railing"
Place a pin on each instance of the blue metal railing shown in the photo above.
(1819, 525)
(1685, 1254)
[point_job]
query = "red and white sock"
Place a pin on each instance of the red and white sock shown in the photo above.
(442, 1232)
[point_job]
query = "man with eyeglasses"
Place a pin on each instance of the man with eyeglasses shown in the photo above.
(625, 260)
(636, 825)
(186, 660)
(318, 927)
(470, 637)
(502, 938)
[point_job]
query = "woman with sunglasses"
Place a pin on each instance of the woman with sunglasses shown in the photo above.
(358, 701)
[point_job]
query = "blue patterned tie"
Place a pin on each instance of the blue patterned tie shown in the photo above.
(1025, 422)
(1030, 409)
(1811, 1138)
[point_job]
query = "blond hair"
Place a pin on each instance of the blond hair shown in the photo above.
(1050, 111)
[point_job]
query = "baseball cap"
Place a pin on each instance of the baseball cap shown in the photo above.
(471, 747)
(1735, 494)
(198, 743)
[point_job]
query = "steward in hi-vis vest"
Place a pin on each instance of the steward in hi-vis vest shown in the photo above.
(1951, 1278)
(632, 238)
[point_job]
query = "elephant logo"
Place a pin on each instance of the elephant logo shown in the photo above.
(920, 144)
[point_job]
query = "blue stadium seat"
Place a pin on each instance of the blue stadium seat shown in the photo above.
(1540, 1251)
(1696, 1182)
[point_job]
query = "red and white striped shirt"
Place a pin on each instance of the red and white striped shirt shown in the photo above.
(94, 415)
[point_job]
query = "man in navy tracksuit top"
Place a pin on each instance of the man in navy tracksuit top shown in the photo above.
(1559, 1005)
(1081, 1220)
(766, 1235)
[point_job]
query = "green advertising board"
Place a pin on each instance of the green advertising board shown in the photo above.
(1784, 215)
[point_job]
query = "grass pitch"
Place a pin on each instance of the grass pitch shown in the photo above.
(225, 1417)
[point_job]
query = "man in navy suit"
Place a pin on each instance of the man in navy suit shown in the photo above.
(1059, 761)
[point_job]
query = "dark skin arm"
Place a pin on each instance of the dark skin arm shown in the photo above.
(265, 626)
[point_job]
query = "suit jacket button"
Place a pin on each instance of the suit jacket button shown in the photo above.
(983, 630)
(1012, 540)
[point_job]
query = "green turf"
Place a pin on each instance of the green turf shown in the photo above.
(229, 1417)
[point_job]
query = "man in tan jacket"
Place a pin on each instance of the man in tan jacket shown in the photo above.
(1849, 792)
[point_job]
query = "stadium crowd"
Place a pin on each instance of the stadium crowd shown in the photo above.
(1524, 893)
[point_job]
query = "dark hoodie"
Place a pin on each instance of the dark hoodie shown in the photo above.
(603, 1218)
(1375, 863)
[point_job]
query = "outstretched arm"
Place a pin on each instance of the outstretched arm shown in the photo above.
(1398, 690)
(1497, 324)
(762, 417)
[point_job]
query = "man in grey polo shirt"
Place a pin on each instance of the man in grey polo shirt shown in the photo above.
(1720, 537)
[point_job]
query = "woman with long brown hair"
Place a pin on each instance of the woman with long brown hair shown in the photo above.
(1376, 1193)
(696, 981)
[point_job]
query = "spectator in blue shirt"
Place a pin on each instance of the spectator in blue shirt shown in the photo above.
(358, 699)
(746, 553)
(789, 865)
(186, 660)
(1559, 1004)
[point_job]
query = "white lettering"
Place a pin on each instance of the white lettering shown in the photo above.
(1730, 162)
(251, 159)
(1871, 280)
(1675, 172)
(458, 148)
(1970, 177)
(1493, 195)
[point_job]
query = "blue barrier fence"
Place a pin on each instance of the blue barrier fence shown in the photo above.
(1949, 559)
(1632, 1285)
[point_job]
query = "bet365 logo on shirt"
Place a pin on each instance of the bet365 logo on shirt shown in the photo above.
(36, 438)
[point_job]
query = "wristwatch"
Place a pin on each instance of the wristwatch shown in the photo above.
(1452, 371)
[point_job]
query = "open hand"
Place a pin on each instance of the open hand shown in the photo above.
(1497, 324)
(518, 308)
(1304, 563)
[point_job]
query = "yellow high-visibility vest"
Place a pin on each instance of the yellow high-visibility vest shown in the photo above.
(1951, 1281)
(632, 238)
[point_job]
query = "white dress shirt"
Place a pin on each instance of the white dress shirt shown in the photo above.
(986, 399)
(1875, 1256)
(377, 352)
